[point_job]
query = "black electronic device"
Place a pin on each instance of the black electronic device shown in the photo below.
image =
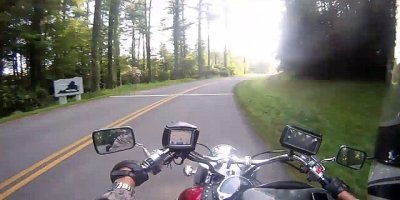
(180, 136)
(300, 140)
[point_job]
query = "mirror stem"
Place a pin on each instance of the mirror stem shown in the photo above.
(146, 152)
(370, 158)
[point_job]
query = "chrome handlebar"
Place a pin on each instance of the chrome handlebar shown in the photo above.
(315, 169)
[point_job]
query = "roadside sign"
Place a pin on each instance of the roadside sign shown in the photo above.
(68, 87)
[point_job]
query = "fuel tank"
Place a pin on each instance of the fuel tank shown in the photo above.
(193, 193)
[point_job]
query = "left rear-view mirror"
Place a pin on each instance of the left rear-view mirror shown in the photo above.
(351, 158)
(113, 140)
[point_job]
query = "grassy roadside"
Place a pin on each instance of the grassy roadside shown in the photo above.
(344, 112)
(96, 95)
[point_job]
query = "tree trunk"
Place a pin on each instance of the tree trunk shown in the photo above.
(138, 50)
(176, 30)
(15, 65)
(226, 46)
(22, 66)
(1, 63)
(80, 69)
(183, 31)
(143, 52)
(28, 69)
(95, 75)
(111, 21)
(116, 42)
(34, 45)
(101, 54)
(133, 43)
(208, 41)
(148, 49)
(225, 57)
(1, 68)
(199, 42)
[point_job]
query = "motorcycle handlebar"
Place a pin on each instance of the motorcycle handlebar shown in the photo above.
(158, 158)
(248, 161)
(155, 160)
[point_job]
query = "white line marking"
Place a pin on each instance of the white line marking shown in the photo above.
(166, 95)
(143, 95)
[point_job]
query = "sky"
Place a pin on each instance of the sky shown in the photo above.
(252, 31)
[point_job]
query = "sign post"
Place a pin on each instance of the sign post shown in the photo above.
(68, 87)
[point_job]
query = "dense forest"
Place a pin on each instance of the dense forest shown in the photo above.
(45, 40)
(339, 39)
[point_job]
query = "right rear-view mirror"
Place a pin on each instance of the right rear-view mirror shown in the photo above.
(351, 158)
(113, 140)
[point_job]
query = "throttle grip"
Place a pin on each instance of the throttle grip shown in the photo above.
(324, 181)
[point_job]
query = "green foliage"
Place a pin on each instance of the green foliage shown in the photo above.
(14, 98)
(42, 41)
(237, 65)
(163, 76)
(132, 76)
(71, 50)
(344, 112)
(42, 97)
(213, 72)
(189, 66)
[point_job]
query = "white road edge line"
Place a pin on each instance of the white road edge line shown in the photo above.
(166, 95)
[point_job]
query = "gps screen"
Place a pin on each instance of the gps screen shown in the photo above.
(180, 137)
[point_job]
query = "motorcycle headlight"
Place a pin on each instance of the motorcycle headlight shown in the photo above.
(223, 151)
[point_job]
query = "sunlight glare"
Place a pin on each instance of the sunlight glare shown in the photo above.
(254, 29)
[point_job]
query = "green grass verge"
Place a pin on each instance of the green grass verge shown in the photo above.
(96, 95)
(344, 112)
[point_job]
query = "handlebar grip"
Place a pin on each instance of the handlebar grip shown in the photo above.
(149, 165)
(324, 181)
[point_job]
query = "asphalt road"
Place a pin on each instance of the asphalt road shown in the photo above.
(83, 174)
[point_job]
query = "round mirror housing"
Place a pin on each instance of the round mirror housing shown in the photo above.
(113, 140)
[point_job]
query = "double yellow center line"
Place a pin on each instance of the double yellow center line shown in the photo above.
(11, 185)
